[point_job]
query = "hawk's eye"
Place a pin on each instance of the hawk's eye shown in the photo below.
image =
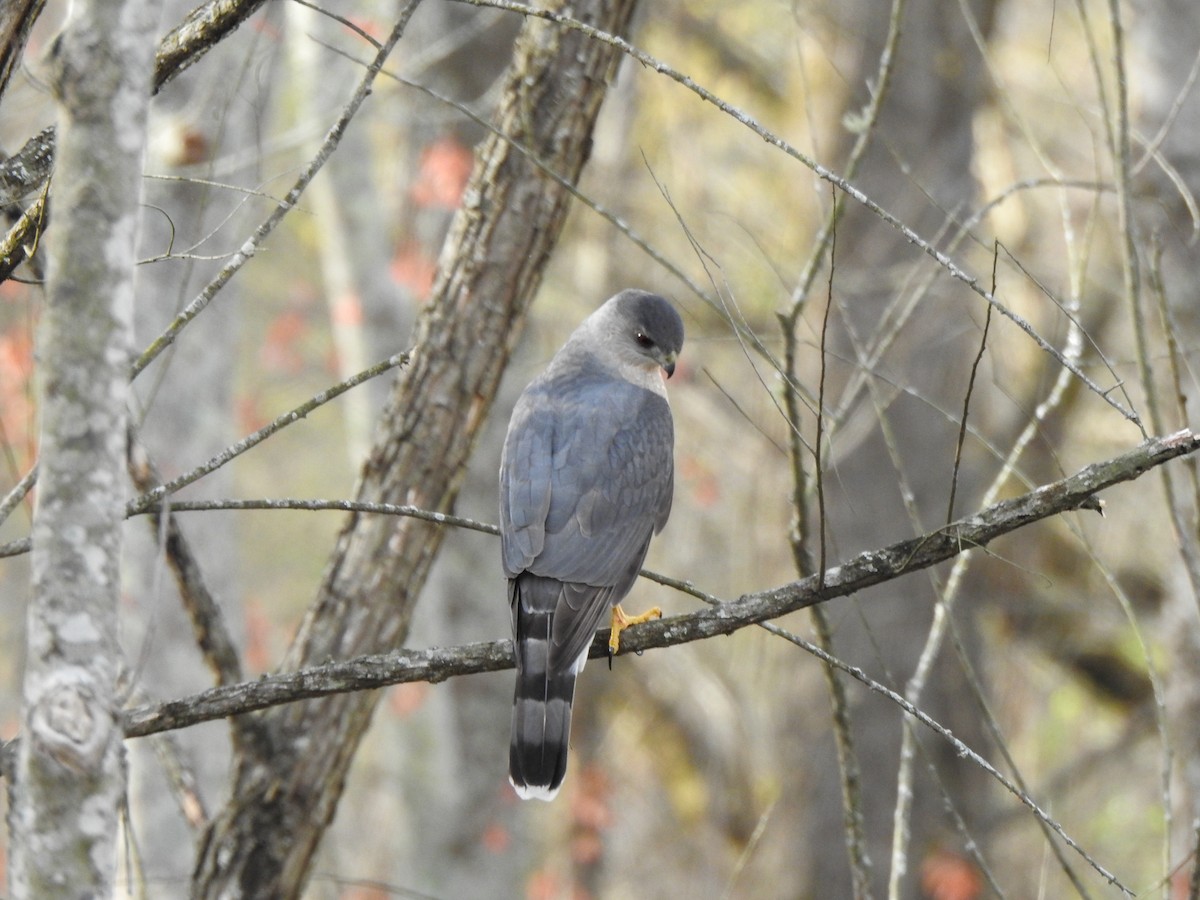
(643, 341)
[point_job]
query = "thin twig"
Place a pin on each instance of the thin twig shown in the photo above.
(962, 425)
(1118, 134)
(823, 173)
(356, 506)
(213, 637)
(18, 493)
(818, 471)
(881, 85)
(15, 548)
(151, 497)
(848, 767)
(332, 138)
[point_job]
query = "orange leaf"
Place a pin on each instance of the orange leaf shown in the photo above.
(948, 876)
(413, 268)
(444, 169)
(496, 838)
(406, 699)
(280, 351)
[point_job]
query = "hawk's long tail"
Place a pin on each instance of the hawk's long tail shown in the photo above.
(541, 716)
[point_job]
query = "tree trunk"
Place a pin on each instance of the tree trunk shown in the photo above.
(69, 781)
(440, 761)
(290, 776)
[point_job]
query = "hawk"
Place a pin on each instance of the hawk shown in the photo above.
(586, 479)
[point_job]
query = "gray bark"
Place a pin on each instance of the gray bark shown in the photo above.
(69, 779)
(443, 759)
(294, 762)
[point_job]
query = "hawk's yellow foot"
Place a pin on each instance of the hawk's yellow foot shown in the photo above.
(621, 621)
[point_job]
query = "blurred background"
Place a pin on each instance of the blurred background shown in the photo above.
(1066, 654)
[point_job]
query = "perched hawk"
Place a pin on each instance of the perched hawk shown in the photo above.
(585, 480)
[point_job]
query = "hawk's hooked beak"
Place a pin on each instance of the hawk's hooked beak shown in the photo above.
(669, 364)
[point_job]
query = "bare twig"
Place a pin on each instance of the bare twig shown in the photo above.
(358, 506)
(1118, 133)
(818, 472)
(848, 768)
(862, 571)
(866, 132)
(949, 265)
(208, 621)
(962, 425)
(151, 497)
(19, 492)
(332, 138)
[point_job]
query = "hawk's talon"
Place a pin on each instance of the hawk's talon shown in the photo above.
(621, 621)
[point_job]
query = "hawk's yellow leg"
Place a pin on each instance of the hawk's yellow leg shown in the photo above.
(621, 621)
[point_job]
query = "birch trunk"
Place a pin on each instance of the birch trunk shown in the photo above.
(69, 779)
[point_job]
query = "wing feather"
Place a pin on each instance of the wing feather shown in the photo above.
(586, 479)
(618, 491)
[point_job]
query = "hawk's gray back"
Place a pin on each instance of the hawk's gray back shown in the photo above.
(586, 479)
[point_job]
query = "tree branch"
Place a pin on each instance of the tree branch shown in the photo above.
(289, 779)
(868, 568)
(213, 637)
(29, 168)
(16, 21)
(201, 30)
(953, 269)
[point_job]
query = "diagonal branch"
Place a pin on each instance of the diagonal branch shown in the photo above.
(16, 21)
(927, 247)
(216, 643)
(868, 568)
(201, 30)
(28, 169)
(289, 779)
